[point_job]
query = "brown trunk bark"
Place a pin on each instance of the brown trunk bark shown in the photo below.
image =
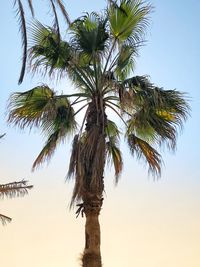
(93, 188)
(92, 253)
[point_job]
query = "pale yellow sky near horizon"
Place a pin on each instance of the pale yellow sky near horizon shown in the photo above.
(143, 223)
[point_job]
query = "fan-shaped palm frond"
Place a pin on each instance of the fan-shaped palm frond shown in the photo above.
(156, 112)
(48, 50)
(125, 62)
(27, 109)
(90, 35)
(128, 21)
(40, 107)
(57, 129)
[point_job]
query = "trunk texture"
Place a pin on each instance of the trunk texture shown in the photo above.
(92, 254)
(92, 191)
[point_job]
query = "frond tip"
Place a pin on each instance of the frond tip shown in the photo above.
(143, 150)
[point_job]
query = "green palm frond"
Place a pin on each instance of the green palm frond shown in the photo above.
(28, 109)
(142, 149)
(56, 128)
(125, 62)
(61, 117)
(128, 21)
(156, 113)
(89, 35)
(47, 49)
(23, 27)
(48, 150)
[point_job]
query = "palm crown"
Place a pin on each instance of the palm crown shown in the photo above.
(99, 58)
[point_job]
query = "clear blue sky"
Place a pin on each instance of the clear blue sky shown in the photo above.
(157, 223)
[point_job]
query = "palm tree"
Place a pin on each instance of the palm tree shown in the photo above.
(23, 27)
(99, 59)
(14, 189)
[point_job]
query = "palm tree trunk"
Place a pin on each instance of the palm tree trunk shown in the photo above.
(92, 195)
(92, 253)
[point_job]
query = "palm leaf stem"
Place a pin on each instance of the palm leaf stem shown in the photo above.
(80, 109)
(84, 119)
(117, 113)
(109, 55)
(116, 98)
(74, 95)
(114, 104)
(95, 73)
(104, 90)
(76, 101)
(56, 24)
(113, 62)
(85, 81)
(31, 7)
(64, 12)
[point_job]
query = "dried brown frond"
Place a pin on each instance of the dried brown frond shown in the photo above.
(56, 23)
(74, 157)
(63, 10)
(87, 163)
(31, 7)
(143, 150)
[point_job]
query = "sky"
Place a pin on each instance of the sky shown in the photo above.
(144, 222)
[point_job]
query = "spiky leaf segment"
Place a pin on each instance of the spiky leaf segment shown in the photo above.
(11, 190)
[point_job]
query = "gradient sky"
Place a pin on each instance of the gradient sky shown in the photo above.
(145, 223)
